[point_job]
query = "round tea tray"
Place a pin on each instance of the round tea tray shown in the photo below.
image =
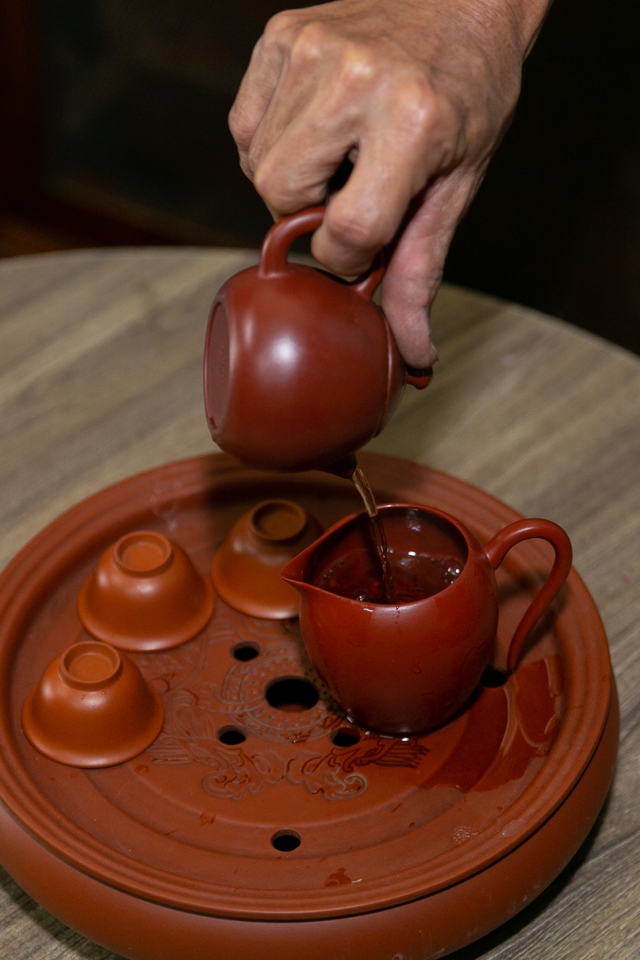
(261, 819)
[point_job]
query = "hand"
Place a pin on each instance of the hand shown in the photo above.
(417, 94)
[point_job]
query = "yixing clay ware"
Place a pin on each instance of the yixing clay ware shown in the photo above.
(246, 568)
(145, 594)
(92, 708)
(405, 667)
(300, 368)
(261, 822)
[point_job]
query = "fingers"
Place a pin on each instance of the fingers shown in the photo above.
(367, 213)
(398, 137)
(295, 172)
(304, 131)
(258, 85)
(415, 269)
(292, 59)
(319, 90)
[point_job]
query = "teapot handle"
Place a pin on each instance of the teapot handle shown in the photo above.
(497, 549)
(273, 256)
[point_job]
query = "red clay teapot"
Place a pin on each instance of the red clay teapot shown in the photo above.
(301, 369)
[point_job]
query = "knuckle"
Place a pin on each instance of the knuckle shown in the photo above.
(309, 44)
(356, 64)
(241, 129)
(274, 192)
(280, 25)
(425, 120)
(417, 104)
(254, 163)
(359, 65)
(361, 229)
(263, 181)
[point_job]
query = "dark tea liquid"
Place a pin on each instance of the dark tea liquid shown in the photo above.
(414, 577)
(399, 579)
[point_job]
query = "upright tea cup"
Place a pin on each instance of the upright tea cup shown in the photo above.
(406, 667)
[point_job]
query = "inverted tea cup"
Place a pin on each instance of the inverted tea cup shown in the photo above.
(246, 567)
(92, 708)
(145, 594)
(406, 664)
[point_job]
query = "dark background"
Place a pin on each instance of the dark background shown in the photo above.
(113, 131)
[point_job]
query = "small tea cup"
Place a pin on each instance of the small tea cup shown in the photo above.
(246, 568)
(145, 594)
(407, 664)
(92, 708)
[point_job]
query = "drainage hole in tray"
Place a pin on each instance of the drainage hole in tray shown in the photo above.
(245, 651)
(230, 736)
(292, 694)
(344, 737)
(285, 841)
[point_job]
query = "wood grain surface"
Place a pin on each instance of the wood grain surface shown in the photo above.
(100, 377)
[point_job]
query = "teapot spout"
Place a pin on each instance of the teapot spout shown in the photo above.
(346, 467)
(419, 377)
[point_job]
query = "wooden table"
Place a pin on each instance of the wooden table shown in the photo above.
(100, 377)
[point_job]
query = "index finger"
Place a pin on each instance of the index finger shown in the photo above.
(257, 87)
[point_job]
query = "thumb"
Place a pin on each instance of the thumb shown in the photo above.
(415, 269)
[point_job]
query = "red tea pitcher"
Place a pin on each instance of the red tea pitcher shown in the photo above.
(407, 666)
(301, 369)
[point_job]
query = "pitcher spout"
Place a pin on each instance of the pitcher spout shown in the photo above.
(295, 570)
(299, 572)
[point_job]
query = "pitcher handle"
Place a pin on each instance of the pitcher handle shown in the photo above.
(497, 549)
(275, 247)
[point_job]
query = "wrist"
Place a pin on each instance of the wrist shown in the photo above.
(523, 18)
(509, 26)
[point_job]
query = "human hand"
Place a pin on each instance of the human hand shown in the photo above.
(417, 94)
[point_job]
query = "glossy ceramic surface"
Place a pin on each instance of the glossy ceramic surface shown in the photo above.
(407, 667)
(300, 369)
(92, 708)
(145, 594)
(259, 800)
(246, 569)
